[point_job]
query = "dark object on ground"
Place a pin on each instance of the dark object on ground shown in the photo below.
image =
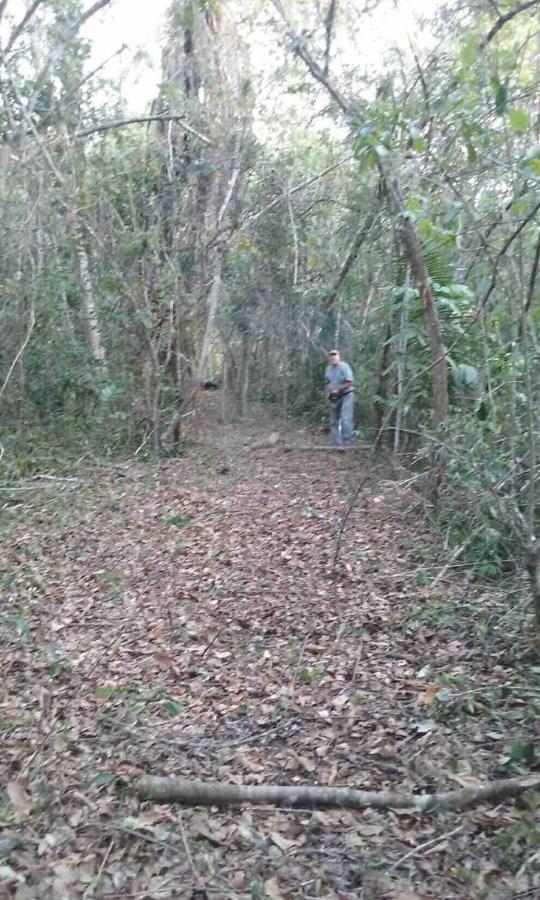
(224, 470)
(210, 385)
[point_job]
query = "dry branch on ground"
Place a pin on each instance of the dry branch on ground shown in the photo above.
(201, 793)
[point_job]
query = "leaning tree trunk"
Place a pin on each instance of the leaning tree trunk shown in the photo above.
(417, 263)
(439, 367)
(411, 246)
(533, 568)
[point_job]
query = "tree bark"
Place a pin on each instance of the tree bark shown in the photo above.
(415, 258)
(533, 569)
(352, 254)
(90, 309)
(409, 238)
(200, 793)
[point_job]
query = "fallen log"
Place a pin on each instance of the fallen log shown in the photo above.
(307, 448)
(202, 793)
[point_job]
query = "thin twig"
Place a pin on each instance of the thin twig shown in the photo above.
(425, 846)
(120, 123)
(344, 521)
(95, 881)
(22, 348)
(186, 846)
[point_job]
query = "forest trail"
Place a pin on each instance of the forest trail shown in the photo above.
(185, 618)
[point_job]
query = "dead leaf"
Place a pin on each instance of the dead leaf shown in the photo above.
(306, 763)
(467, 781)
(216, 836)
(430, 693)
(281, 842)
(369, 830)
(339, 702)
(426, 726)
(19, 798)
(7, 874)
(271, 889)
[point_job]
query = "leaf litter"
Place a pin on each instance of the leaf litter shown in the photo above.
(191, 624)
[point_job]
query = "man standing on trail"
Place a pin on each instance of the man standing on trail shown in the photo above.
(339, 390)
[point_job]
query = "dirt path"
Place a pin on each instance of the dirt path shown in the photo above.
(185, 618)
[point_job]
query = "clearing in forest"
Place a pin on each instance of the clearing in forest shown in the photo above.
(187, 617)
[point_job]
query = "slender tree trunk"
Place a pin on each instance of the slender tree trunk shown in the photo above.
(417, 263)
(244, 374)
(215, 268)
(402, 357)
(533, 568)
(90, 309)
(382, 392)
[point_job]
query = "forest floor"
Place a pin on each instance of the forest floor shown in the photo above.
(185, 617)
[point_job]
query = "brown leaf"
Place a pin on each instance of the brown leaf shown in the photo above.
(430, 693)
(19, 798)
(271, 889)
(281, 842)
(216, 836)
(339, 702)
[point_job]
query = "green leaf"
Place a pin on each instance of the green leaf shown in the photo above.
(519, 118)
(465, 376)
(105, 692)
(173, 708)
(104, 778)
(532, 168)
(522, 752)
(419, 144)
(467, 54)
(178, 519)
(445, 695)
(472, 155)
(501, 99)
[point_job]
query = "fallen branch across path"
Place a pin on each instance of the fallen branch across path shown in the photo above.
(201, 793)
(306, 448)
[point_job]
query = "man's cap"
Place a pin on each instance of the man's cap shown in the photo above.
(333, 353)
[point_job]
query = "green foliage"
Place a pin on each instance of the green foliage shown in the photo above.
(179, 520)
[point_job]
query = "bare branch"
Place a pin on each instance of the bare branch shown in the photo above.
(328, 26)
(18, 30)
(22, 348)
(3, 4)
(532, 279)
(120, 123)
(301, 51)
(61, 46)
(299, 187)
(353, 252)
(502, 21)
(510, 240)
(201, 793)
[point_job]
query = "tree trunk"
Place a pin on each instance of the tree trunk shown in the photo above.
(243, 385)
(382, 392)
(533, 569)
(402, 359)
(417, 263)
(92, 320)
